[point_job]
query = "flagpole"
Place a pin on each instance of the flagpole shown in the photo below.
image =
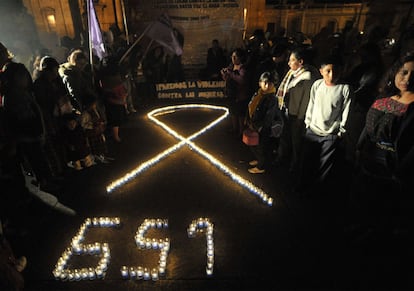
(90, 40)
(125, 21)
(135, 43)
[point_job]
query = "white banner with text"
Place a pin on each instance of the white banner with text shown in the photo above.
(191, 89)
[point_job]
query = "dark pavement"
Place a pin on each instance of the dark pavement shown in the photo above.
(297, 243)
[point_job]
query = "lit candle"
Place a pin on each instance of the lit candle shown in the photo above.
(77, 275)
(91, 273)
(163, 264)
(132, 272)
(56, 274)
(154, 244)
(71, 276)
(124, 272)
(84, 273)
(99, 273)
(159, 223)
(63, 276)
(161, 270)
(161, 243)
(154, 274)
(147, 274)
(209, 271)
(140, 272)
(103, 266)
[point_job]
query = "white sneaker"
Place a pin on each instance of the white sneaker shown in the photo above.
(253, 163)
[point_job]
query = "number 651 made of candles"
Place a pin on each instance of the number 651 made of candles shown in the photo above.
(64, 273)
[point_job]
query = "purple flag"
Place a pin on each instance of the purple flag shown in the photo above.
(164, 33)
(95, 34)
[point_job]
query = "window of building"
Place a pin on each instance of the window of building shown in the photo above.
(49, 15)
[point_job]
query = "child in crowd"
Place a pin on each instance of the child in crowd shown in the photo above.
(325, 120)
(115, 96)
(77, 147)
(94, 125)
(262, 111)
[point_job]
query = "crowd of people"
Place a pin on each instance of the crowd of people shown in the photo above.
(347, 118)
(334, 119)
(56, 119)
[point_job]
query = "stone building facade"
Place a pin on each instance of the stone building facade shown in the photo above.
(230, 20)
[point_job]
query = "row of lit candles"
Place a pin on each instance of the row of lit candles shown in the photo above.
(204, 225)
(61, 272)
(188, 141)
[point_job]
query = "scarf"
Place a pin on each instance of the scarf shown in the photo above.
(257, 99)
(290, 80)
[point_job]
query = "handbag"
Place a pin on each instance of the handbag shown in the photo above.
(250, 137)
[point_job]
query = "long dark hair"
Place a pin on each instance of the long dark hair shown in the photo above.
(388, 87)
(241, 54)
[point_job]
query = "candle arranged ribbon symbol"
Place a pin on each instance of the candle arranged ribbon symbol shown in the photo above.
(188, 141)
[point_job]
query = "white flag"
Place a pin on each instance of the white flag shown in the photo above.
(95, 34)
(164, 33)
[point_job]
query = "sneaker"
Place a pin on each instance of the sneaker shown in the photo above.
(253, 163)
(88, 161)
(21, 264)
(256, 170)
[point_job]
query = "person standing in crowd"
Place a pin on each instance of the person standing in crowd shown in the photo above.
(325, 120)
(94, 125)
(77, 147)
(365, 80)
(293, 96)
(115, 95)
(25, 124)
(129, 84)
(382, 190)
(262, 110)
(154, 69)
(75, 78)
(49, 92)
(216, 60)
(237, 87)
(280, 55)
(12, 183)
